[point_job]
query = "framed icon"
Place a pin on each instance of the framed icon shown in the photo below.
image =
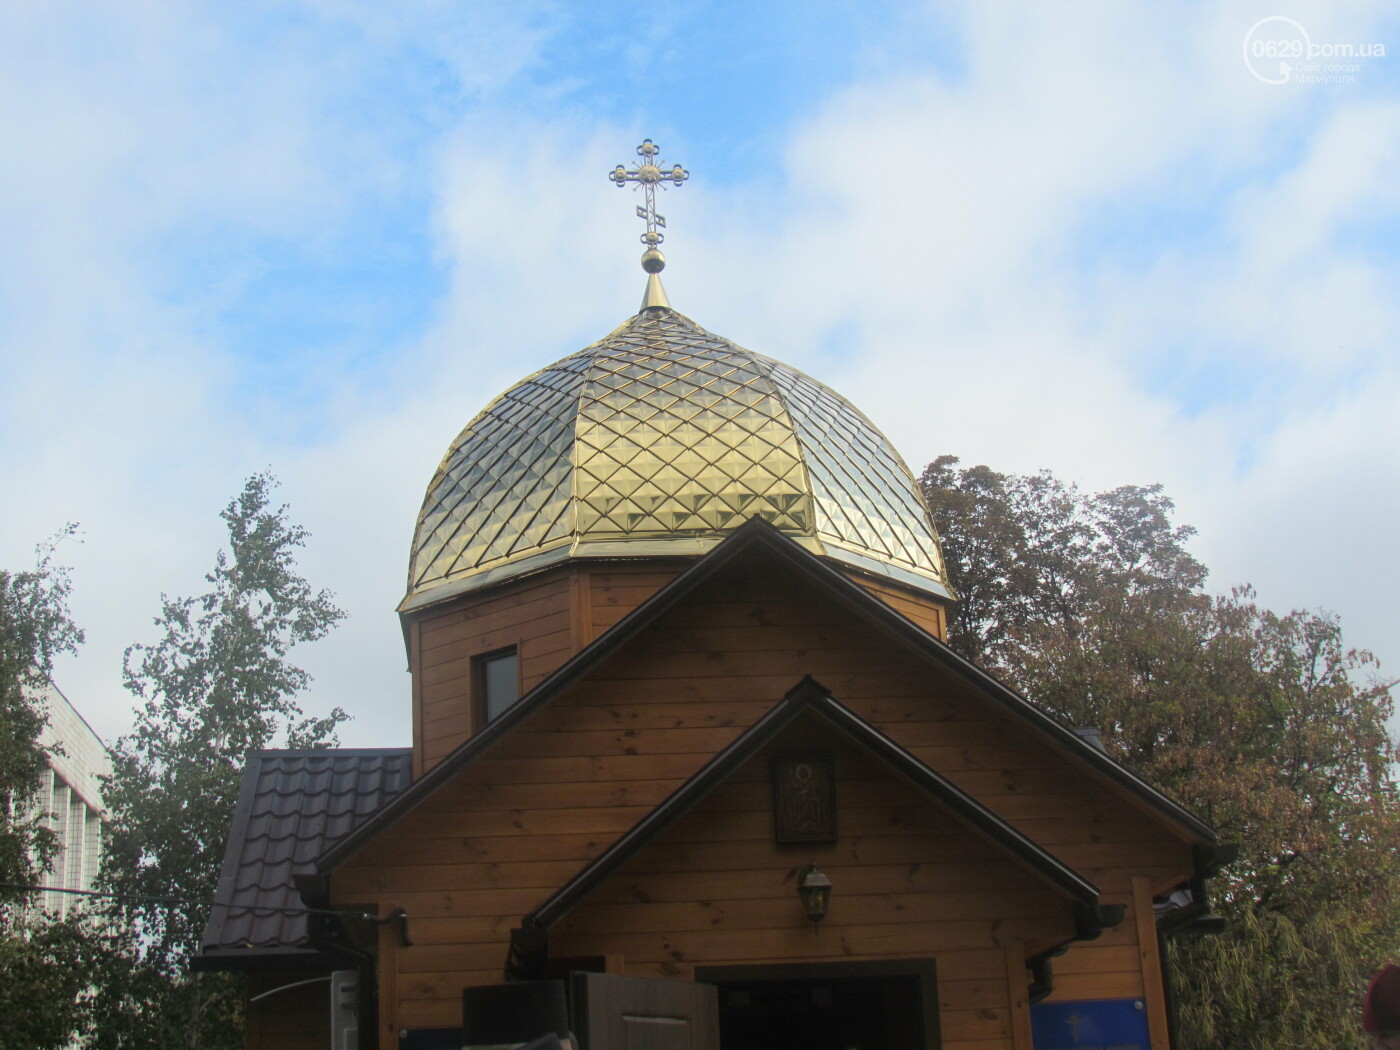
(804, 800)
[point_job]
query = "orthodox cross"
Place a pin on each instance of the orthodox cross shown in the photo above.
(648, 174)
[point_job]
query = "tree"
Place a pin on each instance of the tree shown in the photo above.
(215, 686)
(34, 628)
(42, 962)
(1266, 724)
(1030, 556)
(44, 974)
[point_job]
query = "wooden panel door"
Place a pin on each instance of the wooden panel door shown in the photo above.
(612, 1012)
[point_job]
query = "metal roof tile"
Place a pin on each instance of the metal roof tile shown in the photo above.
(293, 806)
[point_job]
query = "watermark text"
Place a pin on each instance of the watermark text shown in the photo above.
(1278, 50)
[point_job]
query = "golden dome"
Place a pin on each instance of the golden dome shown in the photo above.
(659, 440)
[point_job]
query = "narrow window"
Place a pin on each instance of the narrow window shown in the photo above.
(497, 683)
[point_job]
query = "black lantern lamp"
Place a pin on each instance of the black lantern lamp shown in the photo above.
(815, 890)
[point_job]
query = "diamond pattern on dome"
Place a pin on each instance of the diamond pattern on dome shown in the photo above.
(504, 486)
(681, 432)
(663, 432)
(866, 498)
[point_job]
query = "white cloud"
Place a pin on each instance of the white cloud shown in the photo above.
(939, 247)
(949, 228)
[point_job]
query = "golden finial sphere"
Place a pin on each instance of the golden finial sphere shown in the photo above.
(653, 261)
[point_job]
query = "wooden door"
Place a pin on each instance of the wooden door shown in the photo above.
(612, 1012)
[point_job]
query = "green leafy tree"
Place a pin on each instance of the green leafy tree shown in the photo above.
(1267, 724)
(45, 973)
(34, 628)
(216, 685)
(42, 961)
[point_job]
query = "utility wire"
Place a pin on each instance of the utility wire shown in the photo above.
(398, 915)
(175, 902)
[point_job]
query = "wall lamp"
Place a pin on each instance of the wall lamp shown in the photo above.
(815, 890)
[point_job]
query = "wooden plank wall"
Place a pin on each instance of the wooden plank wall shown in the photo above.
(621, 588)
(923, 609)
(909, 882)
(493, 844)
(548, 618)
(532, 615)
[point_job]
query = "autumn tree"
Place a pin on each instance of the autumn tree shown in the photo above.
(1267, 724)
(217, 684)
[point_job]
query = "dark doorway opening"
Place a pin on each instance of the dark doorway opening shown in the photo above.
(841, 1006)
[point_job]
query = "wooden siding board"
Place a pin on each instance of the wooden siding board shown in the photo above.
(957, 992)
(794, 664)
(775, 905)
(661, 714)
(477, 796)
(628, 588)
(948, 877)
(801, 944)
(1094, 958)
(571, 739)
(441, 1013)
(983, 1023)
(592, 743)
(457, 848)
(691, 638)
(375, 881)
(1113, 984)
(454, 720)
(477, 606)
(452, 692)
(923, 609)
(896, 690)
(507, 823)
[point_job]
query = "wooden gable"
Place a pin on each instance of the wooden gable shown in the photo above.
(548, 618)
(515, 813)
(911, 882)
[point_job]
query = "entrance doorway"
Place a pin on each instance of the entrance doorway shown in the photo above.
(838, 1006)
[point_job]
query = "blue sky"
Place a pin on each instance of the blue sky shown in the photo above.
(319, 236)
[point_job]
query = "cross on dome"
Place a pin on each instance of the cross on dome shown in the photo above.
(649, 174)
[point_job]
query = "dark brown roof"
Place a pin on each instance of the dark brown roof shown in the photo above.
(751, 538)
(292, 807)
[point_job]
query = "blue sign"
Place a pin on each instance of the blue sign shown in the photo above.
(1090, 1024)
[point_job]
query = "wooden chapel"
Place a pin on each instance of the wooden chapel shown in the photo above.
(691, 757)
